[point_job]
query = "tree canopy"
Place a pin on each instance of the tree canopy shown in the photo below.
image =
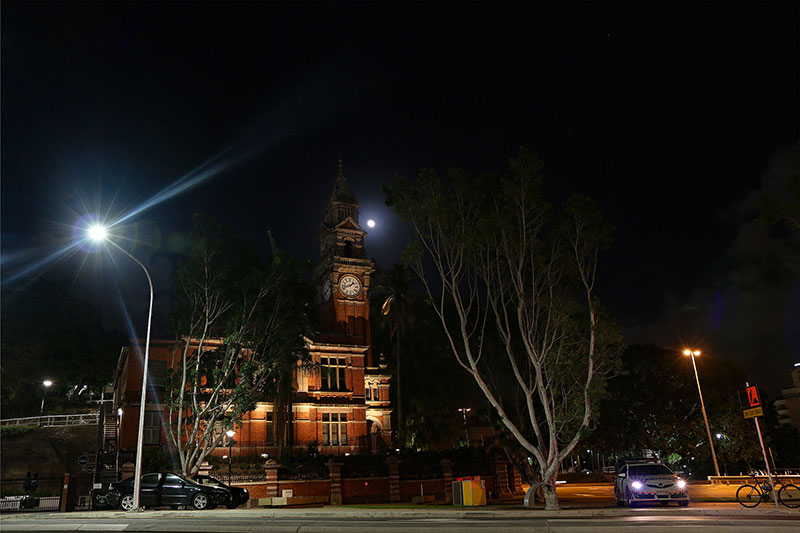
(512, 281)
(259, 310)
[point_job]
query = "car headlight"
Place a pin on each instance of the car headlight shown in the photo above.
(636, 485)
(681, 484)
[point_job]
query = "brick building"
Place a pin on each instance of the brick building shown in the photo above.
(343, 409)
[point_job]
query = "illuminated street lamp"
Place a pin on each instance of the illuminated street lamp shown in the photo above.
(230, 433)
(692, 353)
(46, 384)
(98, 234)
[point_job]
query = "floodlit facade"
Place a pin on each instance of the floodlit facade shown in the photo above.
(344, 408)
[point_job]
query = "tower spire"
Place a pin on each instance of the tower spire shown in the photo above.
(340, 173)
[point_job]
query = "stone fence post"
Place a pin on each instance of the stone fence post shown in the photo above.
(447, 474)
(271, 471)
(393, 464)
(517, 481)
(127, 470)
(501, 478)
(335, 471)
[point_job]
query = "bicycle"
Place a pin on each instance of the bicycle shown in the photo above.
(750, 495)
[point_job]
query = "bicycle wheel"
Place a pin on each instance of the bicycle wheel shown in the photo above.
(789, 495)
(749, 495)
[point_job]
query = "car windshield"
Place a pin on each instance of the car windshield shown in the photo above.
(650, 470)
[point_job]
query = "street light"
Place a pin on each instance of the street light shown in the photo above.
(464, 411)
(230, 433)
(46, 384)
(98, 234)
(692, 353)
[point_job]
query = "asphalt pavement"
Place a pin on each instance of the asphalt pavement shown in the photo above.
(586, 509)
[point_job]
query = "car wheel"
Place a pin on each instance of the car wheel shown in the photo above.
(664, 504)
(628, 499)
(200, 501)
(126, 502)
(112, 499)
(231, 505)
(617, 498)
(684, 503)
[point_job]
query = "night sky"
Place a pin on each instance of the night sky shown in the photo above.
(672, 116)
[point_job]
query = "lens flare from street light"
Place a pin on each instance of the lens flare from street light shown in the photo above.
(230, 433)
(691, 352)
(47, 383)
(97, 232)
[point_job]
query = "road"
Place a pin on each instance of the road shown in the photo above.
(240, 522)
(587, 508)
(602, 495)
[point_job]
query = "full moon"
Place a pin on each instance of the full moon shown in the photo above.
(370, 223)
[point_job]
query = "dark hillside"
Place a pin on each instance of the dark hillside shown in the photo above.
(50, 452)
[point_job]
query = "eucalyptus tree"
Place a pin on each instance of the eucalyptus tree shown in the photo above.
(491, 253)
(397, 307)
(239, 328)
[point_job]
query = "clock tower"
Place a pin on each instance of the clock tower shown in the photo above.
(344, 275)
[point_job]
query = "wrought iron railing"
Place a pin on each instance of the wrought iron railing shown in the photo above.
(54, 420)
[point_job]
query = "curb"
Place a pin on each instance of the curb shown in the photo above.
(328, 513)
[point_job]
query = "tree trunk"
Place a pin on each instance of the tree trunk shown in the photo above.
(400, 438)
(550, 498)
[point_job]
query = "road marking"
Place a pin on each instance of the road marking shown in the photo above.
(103, 527)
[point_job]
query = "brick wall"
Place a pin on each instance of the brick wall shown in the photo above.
(365, 490)
(411, 487)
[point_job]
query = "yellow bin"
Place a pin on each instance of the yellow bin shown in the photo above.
(474, 492)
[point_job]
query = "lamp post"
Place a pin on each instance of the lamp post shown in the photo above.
(230, 433)
(98, 233)
(46, 384)
(692, 353)
(464, 411)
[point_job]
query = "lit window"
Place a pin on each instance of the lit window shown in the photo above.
(333, 373)
(152, 427)
(334, 429)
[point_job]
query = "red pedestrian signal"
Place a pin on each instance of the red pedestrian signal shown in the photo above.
(752, 396)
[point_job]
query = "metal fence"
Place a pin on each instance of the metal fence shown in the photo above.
(53, 420)
(46, 496)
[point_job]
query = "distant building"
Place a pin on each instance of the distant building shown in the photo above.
(343, 410)
(788, 407)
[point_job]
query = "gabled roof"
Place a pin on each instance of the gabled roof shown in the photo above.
(349, 223)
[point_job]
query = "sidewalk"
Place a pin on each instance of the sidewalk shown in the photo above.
(387, 511)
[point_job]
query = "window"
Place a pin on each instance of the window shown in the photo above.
(172, 479)
(650, 470)
(152, 427)
(150, 479)
(333, 373)
(345, 212)
(371, 392)
(157, 374)
(334, 429)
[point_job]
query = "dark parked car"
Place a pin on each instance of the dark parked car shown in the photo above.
(239, 496)
(167, 489)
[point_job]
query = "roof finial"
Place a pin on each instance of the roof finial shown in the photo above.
(340, 174)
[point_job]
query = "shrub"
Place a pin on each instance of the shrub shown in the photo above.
(13, 431)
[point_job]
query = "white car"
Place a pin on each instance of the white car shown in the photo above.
(649, 482)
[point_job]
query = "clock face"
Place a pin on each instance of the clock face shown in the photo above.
(349, 285)
(326, 290)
